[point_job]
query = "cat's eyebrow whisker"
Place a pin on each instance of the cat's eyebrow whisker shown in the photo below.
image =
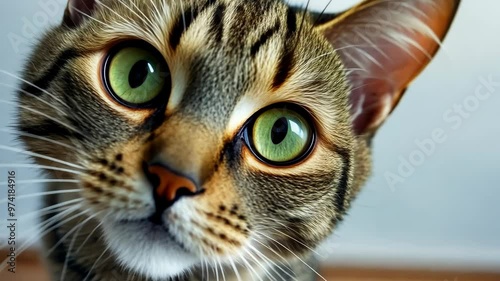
(321, 14)
(152, 25)
(36, 166)
(42, 194)
(286, 248)
(156, 10)
(301, 26)
(127, 22)
(37, 97)
(37, 155)
(144, 18)
(91, 17)
(32, 85)
(192, 8)
(183, 16)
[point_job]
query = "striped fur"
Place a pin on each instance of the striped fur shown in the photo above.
(228, 59)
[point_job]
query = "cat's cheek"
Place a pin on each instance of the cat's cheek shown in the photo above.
(216, 223)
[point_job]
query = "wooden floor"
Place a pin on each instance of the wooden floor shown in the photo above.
(29, 268)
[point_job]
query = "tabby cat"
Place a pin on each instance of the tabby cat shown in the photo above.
(212, 139)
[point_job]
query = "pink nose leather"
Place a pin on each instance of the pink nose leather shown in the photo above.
(170, 183)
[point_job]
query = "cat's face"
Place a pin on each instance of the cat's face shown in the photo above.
(203, 131)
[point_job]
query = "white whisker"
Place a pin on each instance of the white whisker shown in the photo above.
(81, 224)
(46, 229)
(32, 85)
(22, 182)
(296, 256)
(25, 152)
(78, 228)
(36, 97)
(88, 237)
(42, 194)
(41, 114)
(43, 167)
(96, 261)
(50, 209)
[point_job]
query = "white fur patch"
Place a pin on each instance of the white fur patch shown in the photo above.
(147, 250)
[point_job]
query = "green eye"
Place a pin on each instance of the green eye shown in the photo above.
(281, 136)
(137, 74)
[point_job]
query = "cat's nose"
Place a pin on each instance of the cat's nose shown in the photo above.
(168, 186)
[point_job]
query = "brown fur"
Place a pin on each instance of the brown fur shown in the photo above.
(218, 84)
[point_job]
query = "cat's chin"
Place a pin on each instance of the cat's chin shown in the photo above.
(147, 249)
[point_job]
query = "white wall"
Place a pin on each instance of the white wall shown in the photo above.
(446, 213)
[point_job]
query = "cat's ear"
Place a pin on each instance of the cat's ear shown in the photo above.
(385, 44)
(77, 11)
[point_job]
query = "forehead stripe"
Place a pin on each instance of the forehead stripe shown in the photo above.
(285, 66)
(264, 38)
(184, 22)
(291, 23)
(218, 23)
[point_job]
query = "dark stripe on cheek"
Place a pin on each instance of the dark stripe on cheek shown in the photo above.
(285, 65)
(264, 38)
(51, 73)
(218, 22)
(184, 22)
(48, 128)
(344, 181)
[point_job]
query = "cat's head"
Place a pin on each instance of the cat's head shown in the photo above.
(217, 130)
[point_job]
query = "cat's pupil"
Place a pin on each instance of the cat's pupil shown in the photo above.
(138, 74)
(279, 130)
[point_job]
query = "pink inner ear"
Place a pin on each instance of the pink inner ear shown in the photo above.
(385, 45)
(370, 101)
(78, 10)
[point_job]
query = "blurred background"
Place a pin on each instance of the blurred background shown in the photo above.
(434, 208)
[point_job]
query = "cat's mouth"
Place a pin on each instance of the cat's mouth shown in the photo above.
(149, 248)
(155, 228)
